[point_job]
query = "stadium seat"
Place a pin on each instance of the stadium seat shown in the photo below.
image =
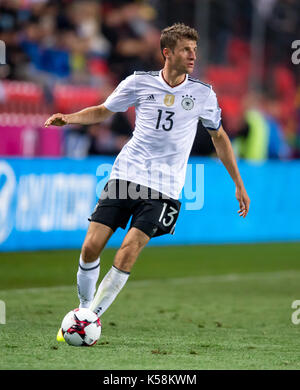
(225, 79)
(238, 52)
(71, 98)
(23, 97)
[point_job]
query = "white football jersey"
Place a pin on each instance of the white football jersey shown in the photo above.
(156, 156)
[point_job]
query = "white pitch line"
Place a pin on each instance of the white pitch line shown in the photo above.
(226, 278)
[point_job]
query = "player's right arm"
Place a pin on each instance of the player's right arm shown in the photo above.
(87, 116)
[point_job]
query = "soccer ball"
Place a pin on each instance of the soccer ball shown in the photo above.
(81, 327)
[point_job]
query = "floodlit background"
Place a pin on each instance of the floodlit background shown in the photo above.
(62, 56)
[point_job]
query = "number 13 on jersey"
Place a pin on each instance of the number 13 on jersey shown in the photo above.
(164, 120)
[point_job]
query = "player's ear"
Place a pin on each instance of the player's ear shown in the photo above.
(166, 52)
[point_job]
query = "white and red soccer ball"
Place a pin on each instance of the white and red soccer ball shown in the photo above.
(81, 327)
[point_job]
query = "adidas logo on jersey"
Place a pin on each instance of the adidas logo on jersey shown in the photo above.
(151, 98)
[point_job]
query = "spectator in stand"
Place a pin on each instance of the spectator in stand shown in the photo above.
(64, 42)
(98, 43)
(278, 147)
(10, 27)
(129, 28)
(260, 136)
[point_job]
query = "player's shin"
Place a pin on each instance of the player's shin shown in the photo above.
(109, 288)
(87, 277)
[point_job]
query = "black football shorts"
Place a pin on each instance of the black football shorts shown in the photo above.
(150, 211)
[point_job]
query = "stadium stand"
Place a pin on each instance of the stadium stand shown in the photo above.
(66, 55)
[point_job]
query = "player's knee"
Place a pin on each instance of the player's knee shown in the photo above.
(89, 252)
(126, 256)
(131, 247)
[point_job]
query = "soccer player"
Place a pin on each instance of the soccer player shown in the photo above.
(149, 172)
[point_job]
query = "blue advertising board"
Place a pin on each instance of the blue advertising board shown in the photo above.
(45, 203)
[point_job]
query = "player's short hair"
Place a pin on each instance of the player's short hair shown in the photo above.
(170, 35)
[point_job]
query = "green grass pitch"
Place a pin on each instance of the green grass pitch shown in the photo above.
(193, 307)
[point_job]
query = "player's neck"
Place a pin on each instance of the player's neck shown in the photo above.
(172, 77)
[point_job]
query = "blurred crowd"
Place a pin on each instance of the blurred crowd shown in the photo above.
(97, 43)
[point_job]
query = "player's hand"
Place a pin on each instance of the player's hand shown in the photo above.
(243, 200)
(56, 120)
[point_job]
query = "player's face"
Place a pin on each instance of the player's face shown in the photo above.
(183, 57)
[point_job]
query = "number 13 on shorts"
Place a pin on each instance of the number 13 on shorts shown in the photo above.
(168, 215)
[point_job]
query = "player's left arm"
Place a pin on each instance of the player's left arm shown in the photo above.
(225, 152)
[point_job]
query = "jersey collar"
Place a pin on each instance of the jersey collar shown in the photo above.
(163, 81)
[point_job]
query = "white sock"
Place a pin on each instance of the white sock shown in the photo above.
(87, 277)
(109, 288)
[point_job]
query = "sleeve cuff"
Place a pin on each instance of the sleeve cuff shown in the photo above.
(212, 128)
